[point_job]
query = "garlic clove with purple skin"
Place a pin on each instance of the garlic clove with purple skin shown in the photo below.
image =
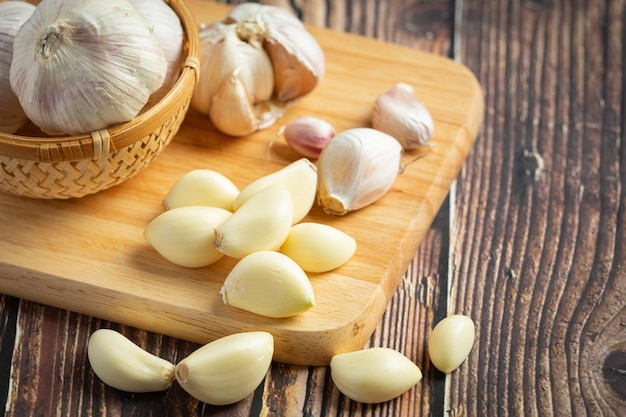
(308, 135)
(398, 113)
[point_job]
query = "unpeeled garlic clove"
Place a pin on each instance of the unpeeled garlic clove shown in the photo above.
(236, 77)
(398, 113)
(228, 369)
(297, 58)
(318, 247)
(356, 169)
(450, 342)
(121, 364)
(261, 223)
(184, 235)
(308, 135)
(270, 284)
(300, 180)
(373, 375)
(202, 187)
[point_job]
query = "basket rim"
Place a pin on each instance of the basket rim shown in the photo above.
(106, 141)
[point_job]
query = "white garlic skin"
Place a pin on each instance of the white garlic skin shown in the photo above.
(398, 113)
(318, 247)
(228, 369)
(84, 65)
(270, 284)
(308, 135)
(450, 342)
(169, 33)
(356, 169)
(121, 364)
(202, 187)
(373, 375)
(184, 235)
(261, 223)
(300, 180)
(14, 14)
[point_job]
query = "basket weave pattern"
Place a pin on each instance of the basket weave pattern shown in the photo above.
(59, 180)
(71, 167)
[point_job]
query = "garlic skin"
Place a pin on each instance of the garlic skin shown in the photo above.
(398, 113)
(14, 14)
(308, 135)
(228, 369)
(300, 180)
(356, 169)
(121, 364)
(450, 342)
(184, 235)
(169, 33)
(84, 65)
(270, 284)
(318, 247)
(253, 64)
(202, 187)
(373, 375)
(261, 223)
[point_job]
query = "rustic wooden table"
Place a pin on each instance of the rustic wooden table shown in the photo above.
(531, 242)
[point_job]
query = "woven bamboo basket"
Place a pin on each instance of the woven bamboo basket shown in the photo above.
(75, 166)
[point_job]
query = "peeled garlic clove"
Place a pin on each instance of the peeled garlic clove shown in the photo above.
(184, 235)
(297, 58)
(270, 284)
(451, 342)
(228, 369)
(121, 364)
(356, 169)
(399, 114)
(300, 180)
(14, 14)
(317, 247)
(85, 65)
(261, 223)
(202, 187)
(169, 33)
(308, 135)
(373, 375)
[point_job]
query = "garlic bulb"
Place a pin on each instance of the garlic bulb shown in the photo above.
(169, 33)
(85, 65)
(355, 169)
(253, 63)
(14, 14)
(399, 114)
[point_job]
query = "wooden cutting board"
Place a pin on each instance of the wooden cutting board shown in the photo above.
(88, 255)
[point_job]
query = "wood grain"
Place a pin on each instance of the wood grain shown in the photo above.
(134, 285)
(539, 240)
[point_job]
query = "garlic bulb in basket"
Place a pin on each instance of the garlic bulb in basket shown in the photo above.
(253, 63)
(169, 33)
(14, 14)
(85, 65)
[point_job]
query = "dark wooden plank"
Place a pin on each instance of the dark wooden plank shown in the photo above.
(50, 374)
(540, 211)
